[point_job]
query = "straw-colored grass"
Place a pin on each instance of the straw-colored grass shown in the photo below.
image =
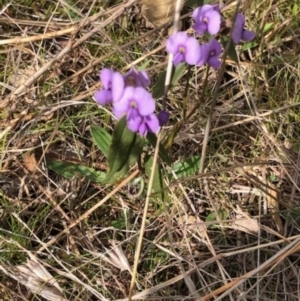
(228, 232)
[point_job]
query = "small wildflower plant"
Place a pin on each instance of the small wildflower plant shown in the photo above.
(134, 106)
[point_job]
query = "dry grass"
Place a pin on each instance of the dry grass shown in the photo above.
(229, 233)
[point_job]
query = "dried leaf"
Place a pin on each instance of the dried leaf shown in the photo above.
(21, 76)
(30, 162)
(116, 257)
(244, 222)
(36, 278)
(158, 12)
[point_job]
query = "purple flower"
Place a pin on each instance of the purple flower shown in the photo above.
(207, 18)
(215, 50)
(113, 84)
(184, 48)
(137, 79)
(143, 125)
(163, 117)
(239, 33)
(136, 102)
(210, 53)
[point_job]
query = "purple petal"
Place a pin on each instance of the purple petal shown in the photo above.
(204, 54)
(217, 7)
(121, 107)
(118, 113)
(117, 86)
(238, 28)
(103, 97)
(175, 40)
(145, 102)
(106, 77)
(248, 35)
(178, 58)
(132, 113)
(152, 123)
(137, 79)
(163, 117)
(214, 22)
(192, 52)
(200, 27)
(144, 79)
(240, 20)
(215, 46)
(205, 9)
(130, 78)
(196, 13)
(214, 62)
(134, 124)
(143, 130)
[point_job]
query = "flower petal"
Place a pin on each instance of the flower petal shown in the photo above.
(121, 107)
(200, 27)
(106, 77)
(215, 46)
(117, 86)
(134, 124)
(214, 62)
(137, 79)
(248, 35)
(214, 22)
(197, 14)
(192, 52)
(118, 113)
(143, 130)
(145, 102)
(163, 117)
(204, 54)
(238, 28)
(175, 40)
(152, 123)
(178, 58)
(103, 97)
(145, 80)
(132, 113)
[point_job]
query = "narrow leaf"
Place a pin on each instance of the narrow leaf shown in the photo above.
(187, 167)
(71, 170)
(195, 3)
(158, 183)
(125, 149)
(177, 73)
(213, 217)
(231, 51)
(163, 154)
(101, 138)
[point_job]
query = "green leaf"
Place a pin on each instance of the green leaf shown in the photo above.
(71, 170)
(158, 183)
(295, 10)
(163, 154)
(212, 217)
(249, 45)
(125, 150)
(195, 3)
(101, 138)
(231, 51)
(145, 65)
(187, 167)
(177, 73)
(267, 27)
(120, 222)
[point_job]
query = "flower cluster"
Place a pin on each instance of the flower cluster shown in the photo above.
(207, 19)
(128, 93)
(128, 96)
